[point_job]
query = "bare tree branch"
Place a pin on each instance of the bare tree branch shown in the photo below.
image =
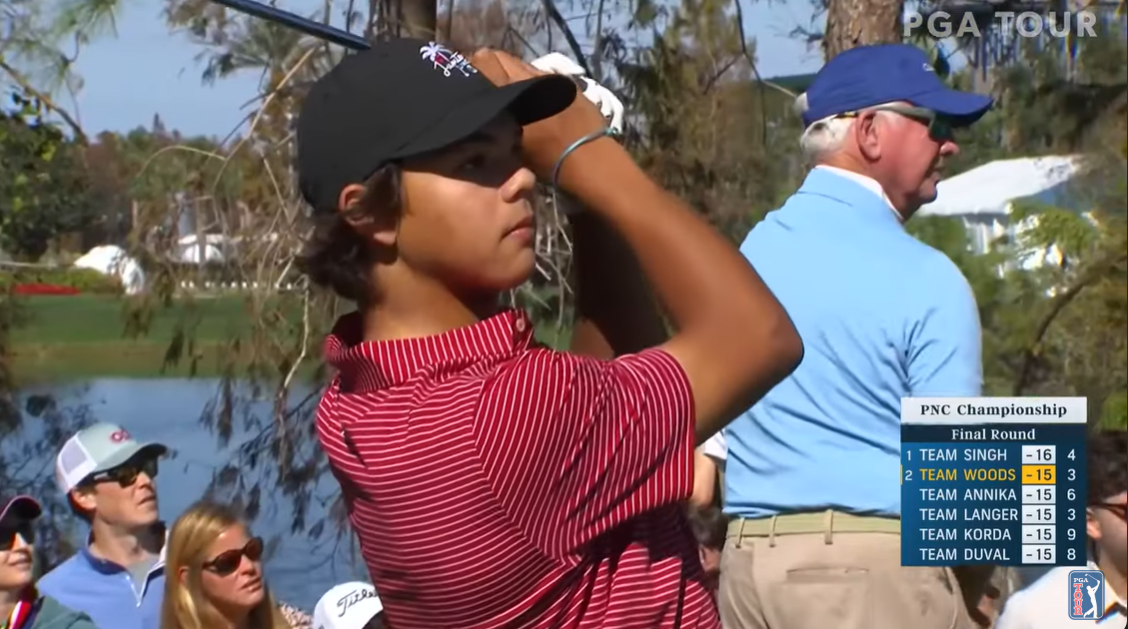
(573, 43)
(1097, 270)
(47, 101)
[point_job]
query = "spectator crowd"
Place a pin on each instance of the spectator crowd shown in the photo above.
(205, 571)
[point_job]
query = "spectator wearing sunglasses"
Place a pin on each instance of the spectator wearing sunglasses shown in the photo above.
(882, 317)
(353, 605)
(217, 580)
(1042, 605)
(21, 606)
(118, 577)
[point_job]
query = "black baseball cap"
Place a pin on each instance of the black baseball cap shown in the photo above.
(20, 508)
(401, 98)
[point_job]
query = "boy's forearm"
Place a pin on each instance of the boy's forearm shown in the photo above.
(734, 340)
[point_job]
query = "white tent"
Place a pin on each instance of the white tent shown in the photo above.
(113, 260)
(188, 249)
(983, 198)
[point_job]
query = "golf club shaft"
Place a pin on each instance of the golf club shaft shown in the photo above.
(297, 22)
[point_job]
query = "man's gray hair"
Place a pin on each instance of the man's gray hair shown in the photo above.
(825, 136)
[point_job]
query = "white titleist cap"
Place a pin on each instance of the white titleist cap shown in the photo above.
(347, 606)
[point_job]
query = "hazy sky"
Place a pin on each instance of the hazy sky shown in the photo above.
(146, 70)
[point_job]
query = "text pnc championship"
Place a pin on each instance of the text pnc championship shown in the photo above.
(993, 480)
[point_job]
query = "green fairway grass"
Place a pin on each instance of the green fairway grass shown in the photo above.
(83, 336)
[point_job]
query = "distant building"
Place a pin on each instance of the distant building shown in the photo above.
(983, 199)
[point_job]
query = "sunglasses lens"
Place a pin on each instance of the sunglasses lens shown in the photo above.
(125, 475)
(227, 563)
(941, 130)
(8, 535)
(253, 550)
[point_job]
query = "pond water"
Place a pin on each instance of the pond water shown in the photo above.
(168, 411)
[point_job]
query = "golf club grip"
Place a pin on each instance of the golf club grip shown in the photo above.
(305, 25)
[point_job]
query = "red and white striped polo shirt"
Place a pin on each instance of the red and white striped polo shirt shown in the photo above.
(496, 483)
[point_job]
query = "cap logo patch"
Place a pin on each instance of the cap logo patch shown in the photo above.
(119, 436)
(353, 598)
(446, 60)
(928, 67)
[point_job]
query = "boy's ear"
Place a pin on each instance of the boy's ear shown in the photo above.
(369, 227)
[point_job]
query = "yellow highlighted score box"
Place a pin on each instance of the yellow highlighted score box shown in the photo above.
(1039, 474)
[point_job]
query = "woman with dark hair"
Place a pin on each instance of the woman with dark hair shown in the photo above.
(21, 606)
(493, 482)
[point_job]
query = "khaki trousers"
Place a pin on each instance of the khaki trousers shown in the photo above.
(831, 571)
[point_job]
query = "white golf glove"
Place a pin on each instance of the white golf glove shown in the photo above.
(610, 106)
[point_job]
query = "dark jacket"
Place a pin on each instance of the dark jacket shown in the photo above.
(50, 614)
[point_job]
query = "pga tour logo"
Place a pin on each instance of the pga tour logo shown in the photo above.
(942, 25)
(446, 60)
(1086, 594)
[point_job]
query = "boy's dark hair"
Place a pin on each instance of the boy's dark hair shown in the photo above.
(709, 525)
(1106, 452)
(335, 256)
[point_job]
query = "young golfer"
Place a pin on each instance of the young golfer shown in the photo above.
(493, 482)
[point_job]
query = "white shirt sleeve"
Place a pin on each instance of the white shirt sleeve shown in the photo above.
(716, 448)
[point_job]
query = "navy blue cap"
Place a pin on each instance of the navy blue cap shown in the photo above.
(871, 75)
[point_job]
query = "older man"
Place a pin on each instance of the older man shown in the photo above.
(811, 477)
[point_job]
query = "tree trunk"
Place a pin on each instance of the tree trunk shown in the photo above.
(851, 23)
(404, 18)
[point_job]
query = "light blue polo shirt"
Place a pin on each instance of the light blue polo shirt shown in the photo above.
(882, 316)
(107, 592)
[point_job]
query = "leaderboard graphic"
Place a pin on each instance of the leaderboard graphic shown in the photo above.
(993, 481)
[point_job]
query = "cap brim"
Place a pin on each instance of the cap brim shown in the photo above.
(21, 507)
(963, 108)
(125, 454)
(528, 101)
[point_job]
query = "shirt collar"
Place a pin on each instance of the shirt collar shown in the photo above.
(1112, 599)
(868, 183)
(107, 566)
(374, 365)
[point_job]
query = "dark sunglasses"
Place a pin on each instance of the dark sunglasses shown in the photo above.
(940, 129)
(1120, 511)
(126, 474)
(228, 561)
(9, 531)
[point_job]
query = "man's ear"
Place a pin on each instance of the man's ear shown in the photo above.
(82, 498)
(1092, 527)
(368, 226)
(865, 134)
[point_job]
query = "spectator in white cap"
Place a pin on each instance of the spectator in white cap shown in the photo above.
(118, 577)
(352, 605)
